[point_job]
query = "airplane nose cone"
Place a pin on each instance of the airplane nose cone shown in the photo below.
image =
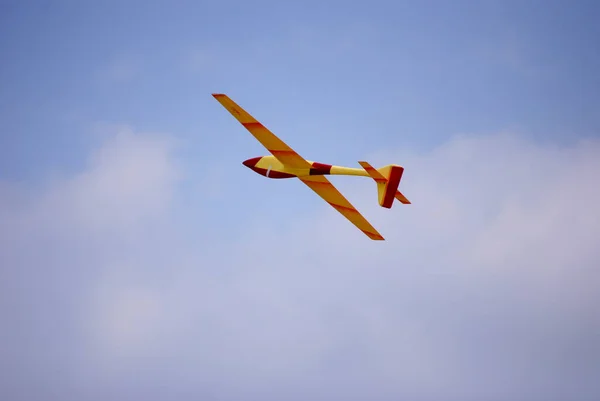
(251, 162)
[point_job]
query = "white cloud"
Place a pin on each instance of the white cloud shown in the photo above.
(485, 288)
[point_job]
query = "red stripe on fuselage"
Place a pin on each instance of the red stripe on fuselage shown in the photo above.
(272, 173)
(320, 169)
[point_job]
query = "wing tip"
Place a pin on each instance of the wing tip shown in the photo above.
(375, 236)
(216, 95)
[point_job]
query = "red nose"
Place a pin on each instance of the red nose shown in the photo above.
(251, 162)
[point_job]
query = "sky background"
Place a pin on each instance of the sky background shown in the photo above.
(140, 259)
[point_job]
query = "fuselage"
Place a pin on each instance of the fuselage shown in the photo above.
(270, 167)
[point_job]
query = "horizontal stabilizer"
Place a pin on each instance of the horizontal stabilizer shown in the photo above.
(402, 198)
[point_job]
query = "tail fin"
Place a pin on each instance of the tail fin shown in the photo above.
(387, 179)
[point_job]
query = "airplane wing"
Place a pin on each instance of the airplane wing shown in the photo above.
(276, 146)
(325, 189)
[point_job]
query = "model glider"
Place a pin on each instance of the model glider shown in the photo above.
(284, 162)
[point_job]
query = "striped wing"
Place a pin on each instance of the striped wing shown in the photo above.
(325, 189)
(276, 146)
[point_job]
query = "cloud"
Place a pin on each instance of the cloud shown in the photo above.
(486, 287)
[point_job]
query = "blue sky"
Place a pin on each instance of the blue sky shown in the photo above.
(140, 258)
(404, 73)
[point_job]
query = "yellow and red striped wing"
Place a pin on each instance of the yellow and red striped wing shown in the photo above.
(276, 146)
(325, 189)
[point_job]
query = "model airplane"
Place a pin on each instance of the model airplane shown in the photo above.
(284, 162)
